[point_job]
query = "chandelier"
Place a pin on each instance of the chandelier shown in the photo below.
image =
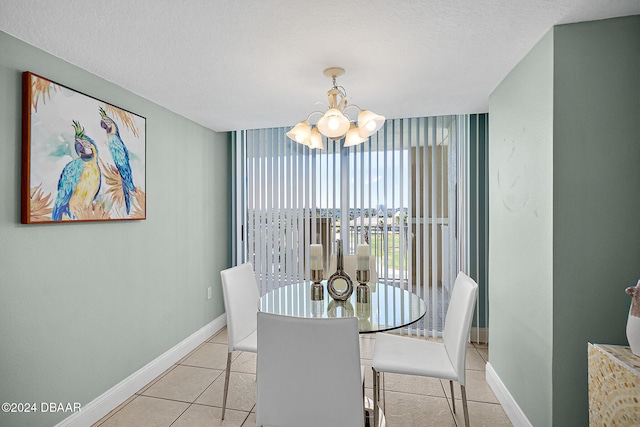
(334, 123)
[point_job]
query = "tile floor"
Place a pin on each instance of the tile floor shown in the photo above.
(190, 393)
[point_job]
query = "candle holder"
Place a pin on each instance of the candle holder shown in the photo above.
(363, 313)
(340, 308)
(340, 277)
(317, 290)
(317, 308)
(362, 290)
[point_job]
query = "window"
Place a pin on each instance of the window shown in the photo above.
(398, 192)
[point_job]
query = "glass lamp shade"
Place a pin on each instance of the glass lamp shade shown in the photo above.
(300, 132)
(369, 123)
(315, 139)
(333, 124)
(353, 137)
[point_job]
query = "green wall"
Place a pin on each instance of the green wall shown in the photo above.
(520, 232)
(588, 165)
(83, 306)
(596, 234)
(478, 210)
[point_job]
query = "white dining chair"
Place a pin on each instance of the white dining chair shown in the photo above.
(240, 293)
(445, 360)
(308, 372)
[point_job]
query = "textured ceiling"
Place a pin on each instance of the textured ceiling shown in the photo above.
(232, 64)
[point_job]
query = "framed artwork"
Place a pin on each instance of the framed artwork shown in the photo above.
(82, 159)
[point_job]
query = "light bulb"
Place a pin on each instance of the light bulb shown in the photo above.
(333, 124)
(300, 132)
(369, 123)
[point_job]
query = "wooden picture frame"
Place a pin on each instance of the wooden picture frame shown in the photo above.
(82, 158)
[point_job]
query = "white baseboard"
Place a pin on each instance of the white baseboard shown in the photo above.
(515, 414)
(103, 404)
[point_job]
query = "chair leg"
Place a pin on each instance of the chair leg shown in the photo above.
(226, 384)
(453, 398)
(384, 394)
(464, 406)
(364, 400)
(376, 396)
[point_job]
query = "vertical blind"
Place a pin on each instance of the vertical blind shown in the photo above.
(402, 192)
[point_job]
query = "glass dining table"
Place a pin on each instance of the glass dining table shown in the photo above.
(387, 306)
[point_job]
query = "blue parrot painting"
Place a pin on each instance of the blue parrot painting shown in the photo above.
(120, 156)
(80, 179)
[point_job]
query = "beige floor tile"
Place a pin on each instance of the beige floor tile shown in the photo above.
(411, 401)
(409, 410)
(155, 380)
(478, 389)
(245, 362)
(484, 352)
(368, 392)
(209, 355)
(242, 392)
(211, 337)
(190, 353)
(483, 414)
(116, 409)
(209, 416)
(412, 384)
(366, 347)
(147, 411)
(474, 360)
(368, 373)
(220, 337)
(251, 420)
(184, 383)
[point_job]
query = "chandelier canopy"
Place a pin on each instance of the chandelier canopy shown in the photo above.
(334, 123)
